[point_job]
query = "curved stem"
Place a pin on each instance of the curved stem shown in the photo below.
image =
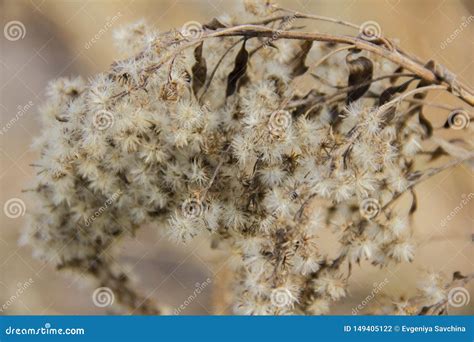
(462, 91)
(317, 17)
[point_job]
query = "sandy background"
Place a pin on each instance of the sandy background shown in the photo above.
(55, 45)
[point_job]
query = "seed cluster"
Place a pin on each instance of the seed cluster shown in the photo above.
(241, 141)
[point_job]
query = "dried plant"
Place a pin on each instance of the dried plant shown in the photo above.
(228, 130)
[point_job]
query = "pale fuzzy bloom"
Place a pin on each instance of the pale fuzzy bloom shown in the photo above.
(233, 217)
(197, 174)
(256, 284)
(326, 187)
(182, 229)
(399, 225)
(156, 198)
(354, 111)
(130, 68)
(402, 251)
(138, 215)
(130, 39)
(276, 69)
(270, 166)
(242, 150)
(412, 145)
(397, 181)
(153, 153)
(319, 306)
(373, 124)
(272, 175)
(388, 134)
(62, 88)
(432, 288)
(306, 265)
(248, 305)
(254, 263)
(366, 184)
(101, 92)
(331, 286)
(267, 224)
(363, 249)
(344, 191)
(188, 115)
(307, 132)
(258, 103)
(285, 296)
(212, 216)
(259, 8)
(277, 201)
(391, 154)
(251, 246)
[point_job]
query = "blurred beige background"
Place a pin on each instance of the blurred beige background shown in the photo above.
(55, 43)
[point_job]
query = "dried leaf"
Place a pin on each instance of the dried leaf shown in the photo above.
(387, 115)
(213, 25)
(458, 276)
(414, 203)
(425, 124)
(298, 62)
(438, 152)
(394, 79)
(389, 92)
(199, 69)
(240, 68)
(360, 71)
